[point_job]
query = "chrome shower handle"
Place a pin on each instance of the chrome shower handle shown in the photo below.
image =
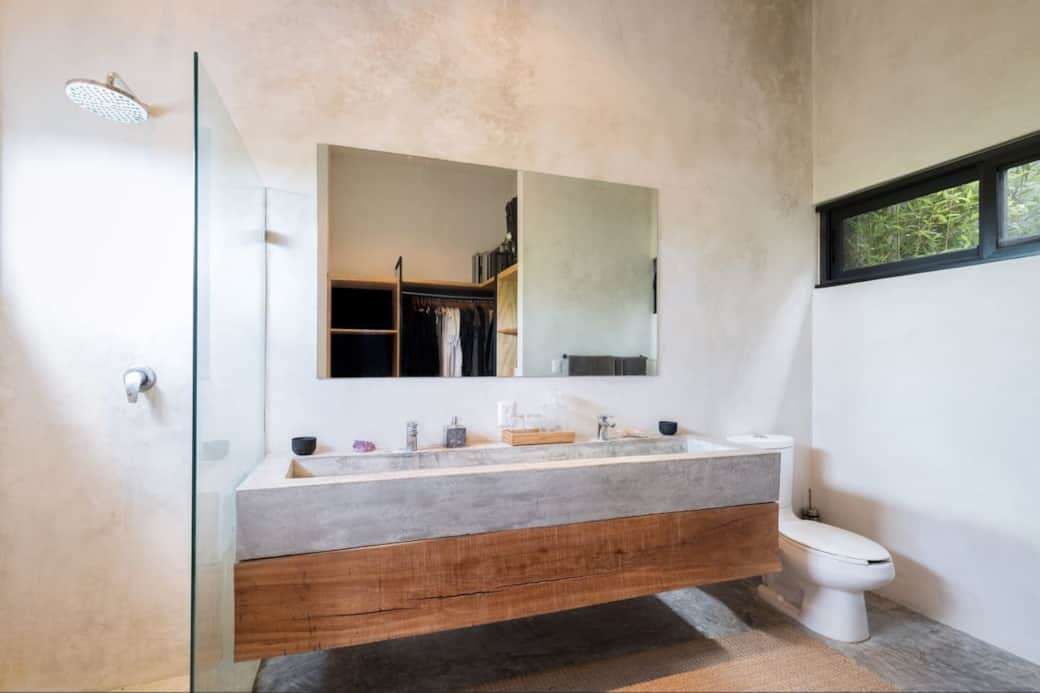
(137, 379)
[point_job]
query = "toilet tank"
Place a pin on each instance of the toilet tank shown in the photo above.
(775, 443)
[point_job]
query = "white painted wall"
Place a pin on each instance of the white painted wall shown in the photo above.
(586, 270)
(926, 389)
(436, 214)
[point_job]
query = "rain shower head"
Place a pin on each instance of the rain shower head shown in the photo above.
(106, 99)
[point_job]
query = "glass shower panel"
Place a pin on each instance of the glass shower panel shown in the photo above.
(230, 286)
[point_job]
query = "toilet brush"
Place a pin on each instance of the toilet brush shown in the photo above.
(809, 512)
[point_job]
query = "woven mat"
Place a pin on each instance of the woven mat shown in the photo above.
(781, 658)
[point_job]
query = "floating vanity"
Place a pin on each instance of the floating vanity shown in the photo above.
(337, 550)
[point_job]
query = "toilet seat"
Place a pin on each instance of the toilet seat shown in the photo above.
(834, 542)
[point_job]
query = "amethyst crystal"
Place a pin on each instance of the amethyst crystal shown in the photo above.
(364, 446)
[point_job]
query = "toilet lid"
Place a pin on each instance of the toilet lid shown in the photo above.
(833, 540)
(763, 442)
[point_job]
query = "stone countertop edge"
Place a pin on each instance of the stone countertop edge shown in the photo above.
(273, 472)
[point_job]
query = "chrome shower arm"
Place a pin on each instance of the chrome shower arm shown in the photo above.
(111, 80)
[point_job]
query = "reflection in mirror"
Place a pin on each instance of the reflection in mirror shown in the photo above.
(438, 268)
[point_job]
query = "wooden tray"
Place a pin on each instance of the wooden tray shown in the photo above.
(518, 436)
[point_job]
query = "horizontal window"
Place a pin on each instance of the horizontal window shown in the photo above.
(1022, 202)
(977, 209)
(940, 222)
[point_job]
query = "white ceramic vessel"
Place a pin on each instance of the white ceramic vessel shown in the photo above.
(826, 569)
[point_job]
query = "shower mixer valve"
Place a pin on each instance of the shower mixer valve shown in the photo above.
(137, 379)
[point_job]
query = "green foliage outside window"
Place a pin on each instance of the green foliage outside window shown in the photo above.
(1023, 201)
(940, 222)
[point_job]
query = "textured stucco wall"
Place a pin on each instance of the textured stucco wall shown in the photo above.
(925, 387)
(95, 275)
(900, 86)
(707, 101)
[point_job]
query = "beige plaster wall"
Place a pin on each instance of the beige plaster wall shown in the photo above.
(925, 387)
(900, 86)
(705, 100)
(95, 275)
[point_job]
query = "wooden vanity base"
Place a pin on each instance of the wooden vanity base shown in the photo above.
(330, 599)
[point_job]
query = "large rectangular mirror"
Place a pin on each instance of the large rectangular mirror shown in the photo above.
(433, 268)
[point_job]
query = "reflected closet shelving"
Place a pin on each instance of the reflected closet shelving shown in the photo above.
(364, 328)
(365, 324)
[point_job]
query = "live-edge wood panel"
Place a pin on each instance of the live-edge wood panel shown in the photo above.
(335, 598)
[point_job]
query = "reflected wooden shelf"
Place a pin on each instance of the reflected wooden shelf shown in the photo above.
(340, 330)
(487, 283)
(443, 283)
(337, 279)
(507, 337)
(362, 282)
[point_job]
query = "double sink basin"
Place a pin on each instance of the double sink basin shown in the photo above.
(295, 505)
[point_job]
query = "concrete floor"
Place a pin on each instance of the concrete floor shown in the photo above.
(910, 651)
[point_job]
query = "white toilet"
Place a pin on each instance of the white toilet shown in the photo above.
(826, 570)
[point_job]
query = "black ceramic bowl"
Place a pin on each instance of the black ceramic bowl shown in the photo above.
(667, 428)
(304, 445)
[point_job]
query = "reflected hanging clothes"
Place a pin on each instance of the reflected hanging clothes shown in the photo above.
(449, 326)
(457, 339)
(478, 341)
(473, 340)
(489, 346)
(420, 350)
(471, 322)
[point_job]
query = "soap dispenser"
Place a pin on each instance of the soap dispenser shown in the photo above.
(454, 434)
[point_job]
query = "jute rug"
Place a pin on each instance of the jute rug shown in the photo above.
(781, 658)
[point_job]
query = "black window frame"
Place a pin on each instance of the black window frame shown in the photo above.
(988, 167)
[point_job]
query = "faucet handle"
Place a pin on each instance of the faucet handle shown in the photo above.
(137, 379)
(605, 420)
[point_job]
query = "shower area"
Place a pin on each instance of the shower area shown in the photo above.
(228, 376)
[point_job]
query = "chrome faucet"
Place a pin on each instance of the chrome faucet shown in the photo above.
(411, 440)
(603, 425)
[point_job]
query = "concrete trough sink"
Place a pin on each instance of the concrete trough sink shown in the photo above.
(296, 505)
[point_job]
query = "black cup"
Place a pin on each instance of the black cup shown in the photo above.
(304, 445)
(667, 428)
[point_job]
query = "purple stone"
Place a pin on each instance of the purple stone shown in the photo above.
(364, 446)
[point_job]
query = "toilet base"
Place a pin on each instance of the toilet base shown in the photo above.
(834, 614)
